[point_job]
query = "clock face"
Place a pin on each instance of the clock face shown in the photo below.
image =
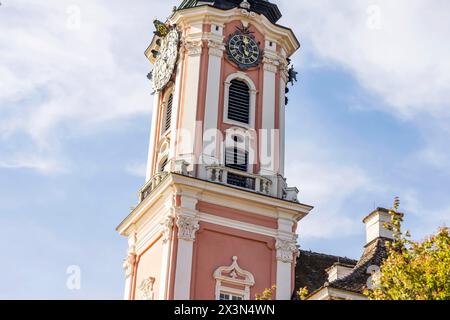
(166, 61)
(244, 50)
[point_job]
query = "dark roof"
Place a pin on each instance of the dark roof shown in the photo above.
(374, 255)
(264, 7)
(311, 269)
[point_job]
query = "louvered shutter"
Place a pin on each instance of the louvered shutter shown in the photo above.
(239, 102)
(168, 121)
(236, 159)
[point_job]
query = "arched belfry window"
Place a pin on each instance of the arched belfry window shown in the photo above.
(239, 102)
(168, 114)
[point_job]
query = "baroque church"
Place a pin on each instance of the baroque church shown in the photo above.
(216, 218)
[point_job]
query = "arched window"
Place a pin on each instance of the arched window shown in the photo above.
(239, 102)
(168, 114)
(163, 164)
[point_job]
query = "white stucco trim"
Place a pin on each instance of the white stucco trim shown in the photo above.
(191, 84)
(238, 225)
(230, 275)
(284, 283)
(328, 293)
(152, 143)
(212, 101)
(187, 223)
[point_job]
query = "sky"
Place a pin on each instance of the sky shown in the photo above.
(367, 121)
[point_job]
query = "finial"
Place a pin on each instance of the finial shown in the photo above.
(235, 259)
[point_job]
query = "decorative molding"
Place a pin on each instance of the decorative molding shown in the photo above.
(271, 63)
(238, 225)
(240, 75)
(131, 259)
(287, 250)
(197, 14)
(187, 227)
(216, 48)
(167, 227)
(194, 47)
(129, 264)
(236, 276)
(147, 288)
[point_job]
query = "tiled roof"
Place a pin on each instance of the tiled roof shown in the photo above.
(270, 10)
(311, 269)
(374, 254)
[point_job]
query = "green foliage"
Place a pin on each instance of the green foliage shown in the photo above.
(267, 294)
(414, 270)
(303, 293)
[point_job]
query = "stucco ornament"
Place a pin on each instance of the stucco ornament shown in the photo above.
(166, 61)
(234, 279)
(129, 264)
(130, 261)
(167, 226)
(287, 250)
(147, 289)
(187, 227)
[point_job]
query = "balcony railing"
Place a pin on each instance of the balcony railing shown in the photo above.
(240, 179)
(152, 185)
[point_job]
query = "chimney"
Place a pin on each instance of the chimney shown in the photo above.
(375, 225)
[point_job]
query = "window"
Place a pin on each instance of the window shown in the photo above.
(236, 158)
(163, 164)
(240, 95)
(239, 102)
(168, 114)
(230, 297)
(233, 283)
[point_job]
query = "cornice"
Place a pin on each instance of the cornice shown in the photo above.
(207, 14)
(178, 184)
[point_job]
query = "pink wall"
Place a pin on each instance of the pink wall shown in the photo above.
(256, 74)
(149, 265)
(215, 246)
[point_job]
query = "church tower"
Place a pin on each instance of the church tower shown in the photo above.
(216, 218)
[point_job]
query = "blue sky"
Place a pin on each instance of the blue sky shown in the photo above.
(368, 121)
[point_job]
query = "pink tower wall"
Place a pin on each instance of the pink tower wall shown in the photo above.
(215, 246)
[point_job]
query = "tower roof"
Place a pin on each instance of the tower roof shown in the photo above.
(269, 10)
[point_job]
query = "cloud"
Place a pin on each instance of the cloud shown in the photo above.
(136, 169)
(59, 78)
(40, 164)
(396, 49)
(327, 185)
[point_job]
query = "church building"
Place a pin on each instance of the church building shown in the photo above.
(216, 218)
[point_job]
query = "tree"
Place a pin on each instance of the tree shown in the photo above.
(414, 270)
(267, 294)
